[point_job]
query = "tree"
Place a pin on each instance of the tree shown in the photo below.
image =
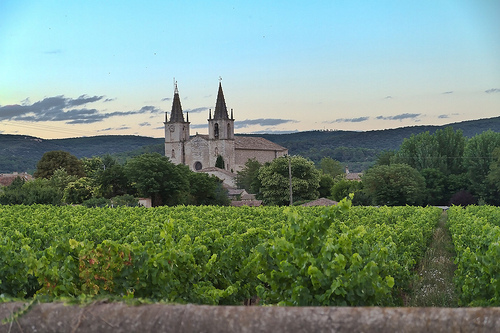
(206, 190)
(325, 185)
(394, 185)
(247, 178)
(78, 191)
(92, 166)
(435, 187)
(478, 160)
(113, 181)
(153, 175)
(329, 166)
(343, 187)
(275, 180)
(442, 150)
(13, 194)
(219, 163)
(41, 191)
(385, 158)
(57, 159)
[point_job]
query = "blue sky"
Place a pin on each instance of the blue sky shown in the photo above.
(82, 68)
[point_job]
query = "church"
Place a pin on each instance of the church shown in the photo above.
(201, 152)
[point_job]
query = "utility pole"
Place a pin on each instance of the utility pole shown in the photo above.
(290, 178)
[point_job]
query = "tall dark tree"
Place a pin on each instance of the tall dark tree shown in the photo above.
(478, 159)
(247, 178)
(394, 185)
(206, 190)
(57, 159)
(154, 176)
(219, 163)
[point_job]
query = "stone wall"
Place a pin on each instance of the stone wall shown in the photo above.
(118, 317)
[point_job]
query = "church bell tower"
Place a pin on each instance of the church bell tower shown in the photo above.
(176, 131)
(221, 132)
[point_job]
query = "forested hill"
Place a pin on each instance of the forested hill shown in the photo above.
(357, 149)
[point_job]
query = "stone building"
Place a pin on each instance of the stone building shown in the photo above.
(201, 151)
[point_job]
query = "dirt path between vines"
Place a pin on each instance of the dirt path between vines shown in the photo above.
(434, 287)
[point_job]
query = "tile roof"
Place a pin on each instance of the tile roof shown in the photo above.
(256, 143)
(7, 178)
(320, 202)
(215, 169)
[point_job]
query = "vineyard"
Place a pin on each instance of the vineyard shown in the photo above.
(476, 237)
(342, 255)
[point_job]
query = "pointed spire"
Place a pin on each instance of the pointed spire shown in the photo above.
(176, 115)
(220, 105)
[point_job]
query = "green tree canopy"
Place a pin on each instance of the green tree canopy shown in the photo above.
(154, 176)
(329, 166)
(219, 163)
(478, 160)
(247, 178)
(274, 178)
(325, 185)
(205, 189)
(394, 185)
(57, 159)
(343, 187)
(442, 150)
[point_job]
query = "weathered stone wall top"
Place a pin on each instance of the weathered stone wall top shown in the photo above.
(118, 317)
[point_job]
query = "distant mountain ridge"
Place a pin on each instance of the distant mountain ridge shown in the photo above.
(20, 153)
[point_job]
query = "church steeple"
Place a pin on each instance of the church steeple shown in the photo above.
(220, 106)
(176, 115)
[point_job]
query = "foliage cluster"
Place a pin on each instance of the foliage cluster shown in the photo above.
(475, 232)
(214, 255)
(63, 179)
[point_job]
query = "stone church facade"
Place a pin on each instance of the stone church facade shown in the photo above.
(201, 151)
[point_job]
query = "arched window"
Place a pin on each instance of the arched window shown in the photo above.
(173, 153)
(216, 130)
(198, 166)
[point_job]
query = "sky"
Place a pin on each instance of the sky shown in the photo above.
(85, 68)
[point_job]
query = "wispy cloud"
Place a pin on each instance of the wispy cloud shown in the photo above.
(166, 99)
(493, 90)
(109, 99)
(388, 97)
(145, 124)
(273, 132)
(52, 52)
(443, 116)
(349, 120)
(197, 110)
(198, 126)
(262, 122)
(65, 109)
(121, 128)
(448, 92)
(400, 117)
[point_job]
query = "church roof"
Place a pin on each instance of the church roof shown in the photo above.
(176, 115)
(220, 105)
(256, 143)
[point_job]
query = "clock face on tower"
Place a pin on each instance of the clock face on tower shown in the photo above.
(171, 128)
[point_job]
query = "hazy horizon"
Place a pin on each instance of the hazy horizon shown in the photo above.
(87, 68)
